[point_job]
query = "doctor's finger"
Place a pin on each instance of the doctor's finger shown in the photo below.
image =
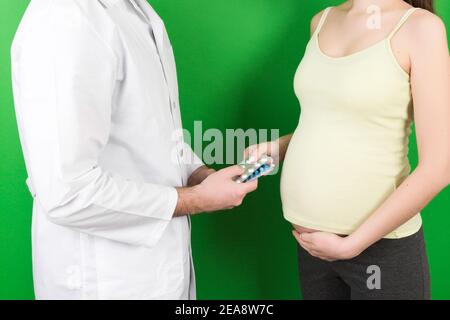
(249, 186)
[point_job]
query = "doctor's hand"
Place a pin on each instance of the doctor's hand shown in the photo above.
(326, 246)
(218, 191)
(199, 175)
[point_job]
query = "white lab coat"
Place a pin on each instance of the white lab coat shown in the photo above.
(96, 99)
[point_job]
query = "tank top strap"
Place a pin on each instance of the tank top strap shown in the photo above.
(322, 20)
(402, 22)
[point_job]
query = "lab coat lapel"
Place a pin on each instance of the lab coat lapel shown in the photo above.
(164, 48)
(156, 23)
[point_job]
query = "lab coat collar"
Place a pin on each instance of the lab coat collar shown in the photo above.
(108, 3)
(155, 21)
(144, 9)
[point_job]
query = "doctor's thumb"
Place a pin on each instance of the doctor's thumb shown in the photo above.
(233, 171)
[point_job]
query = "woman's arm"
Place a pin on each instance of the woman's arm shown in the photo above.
(283, 144)
(430, 82)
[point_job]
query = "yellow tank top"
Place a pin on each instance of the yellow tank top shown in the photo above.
(350, 150)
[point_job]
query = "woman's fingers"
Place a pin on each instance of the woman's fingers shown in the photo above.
(253, 153)
(304, 237)
(307, 237)
(297, 236)
(307, 246)
(315, 253)
(302, 243)
(248, 152)
(307, 249)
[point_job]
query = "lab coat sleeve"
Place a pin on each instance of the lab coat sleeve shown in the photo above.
(192, 161)
(64, 80)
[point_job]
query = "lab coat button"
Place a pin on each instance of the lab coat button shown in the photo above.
(73, 281)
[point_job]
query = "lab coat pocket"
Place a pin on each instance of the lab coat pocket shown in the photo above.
(153, 127)
(131, 272)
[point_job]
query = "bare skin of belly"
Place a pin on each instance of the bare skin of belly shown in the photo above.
(301, 229)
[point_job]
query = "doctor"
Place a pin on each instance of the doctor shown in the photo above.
(96, 100)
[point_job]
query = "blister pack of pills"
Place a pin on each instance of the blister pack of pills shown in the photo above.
(254, 170)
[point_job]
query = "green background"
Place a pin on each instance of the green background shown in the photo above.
(236, 61)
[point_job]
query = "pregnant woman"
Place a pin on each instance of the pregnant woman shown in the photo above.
(370, 69)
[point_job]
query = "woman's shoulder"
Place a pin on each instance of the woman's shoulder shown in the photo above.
(425, 22)
(318, 16)
(316, 20)
(424, 30)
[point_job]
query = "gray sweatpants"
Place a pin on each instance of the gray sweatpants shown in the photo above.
(390, 269)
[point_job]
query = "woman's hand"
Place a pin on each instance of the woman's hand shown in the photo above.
(276, 149)
(255, 152)
(327, 246)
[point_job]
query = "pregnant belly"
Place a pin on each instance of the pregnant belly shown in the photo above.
(327, 187)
